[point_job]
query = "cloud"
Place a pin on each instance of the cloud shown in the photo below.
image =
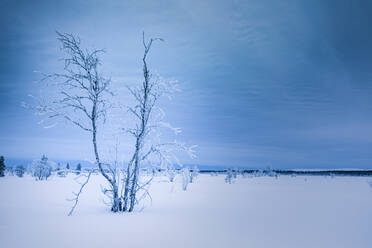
(280, 81)
(346, 133)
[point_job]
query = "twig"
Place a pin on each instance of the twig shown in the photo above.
(77, 195)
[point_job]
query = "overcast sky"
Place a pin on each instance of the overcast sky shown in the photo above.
(265, 82)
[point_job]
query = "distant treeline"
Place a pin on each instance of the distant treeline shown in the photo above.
(299, 172)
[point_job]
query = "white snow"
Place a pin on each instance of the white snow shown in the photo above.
(252, 212)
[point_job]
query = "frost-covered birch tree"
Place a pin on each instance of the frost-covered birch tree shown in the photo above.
(149, 117)
(81, 97)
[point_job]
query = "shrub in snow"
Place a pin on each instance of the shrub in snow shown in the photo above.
(258, 173)
(41, 169)
(62, 173)
(78, 169)
(231, 175)
(270, 172)
(247, 174)
(154, 171)
(370, 184)
(2, 166)
(213, 174)
(185, 177)
(171, 173)
(9, 170)
(20, 170)
(194, 173)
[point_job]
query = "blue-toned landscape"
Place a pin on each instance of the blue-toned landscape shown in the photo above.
(185, 123)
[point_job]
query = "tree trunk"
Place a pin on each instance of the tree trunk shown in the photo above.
(116, 203)
(126, 189)
(133, 190)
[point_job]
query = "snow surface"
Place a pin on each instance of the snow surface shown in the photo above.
(252, 212)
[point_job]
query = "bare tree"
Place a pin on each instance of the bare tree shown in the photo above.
(149, 118)
(82, 98)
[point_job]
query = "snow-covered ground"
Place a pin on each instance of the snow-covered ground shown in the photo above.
(252, 212)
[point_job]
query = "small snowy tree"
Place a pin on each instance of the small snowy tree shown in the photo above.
(41, 169)
(67, 166)
(20, 170)
(2, 166)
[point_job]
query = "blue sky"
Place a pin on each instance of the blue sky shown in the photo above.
(285, 83)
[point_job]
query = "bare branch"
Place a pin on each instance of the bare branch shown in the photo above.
(77, 195)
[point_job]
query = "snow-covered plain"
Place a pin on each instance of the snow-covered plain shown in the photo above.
(252, 212)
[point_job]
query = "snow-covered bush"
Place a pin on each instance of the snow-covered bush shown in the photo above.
(20, 170)
(231, 175)
(259, 173)
(247, 174)
(194, 173)
(185, 177)
(9, 170)
(41, 169)
(370, 183)
(62, 173)
(78, 169)
(270, 172)
(171, 174)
